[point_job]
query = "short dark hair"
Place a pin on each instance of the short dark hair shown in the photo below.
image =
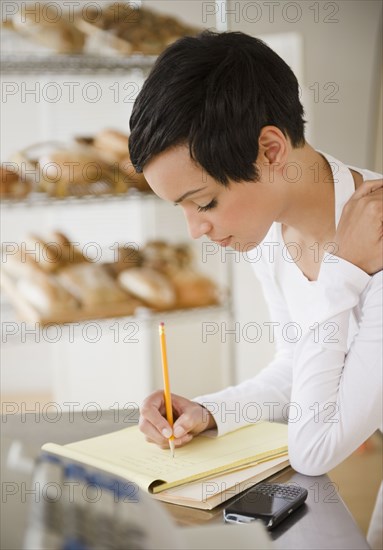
(215, 92)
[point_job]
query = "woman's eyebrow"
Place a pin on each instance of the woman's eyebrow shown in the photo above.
(188, 193)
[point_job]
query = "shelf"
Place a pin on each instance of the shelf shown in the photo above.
(147, 314)
(73, 64)
(22, 333)
(41, 199)
(130, 308)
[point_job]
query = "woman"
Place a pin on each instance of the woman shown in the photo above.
(218, 128)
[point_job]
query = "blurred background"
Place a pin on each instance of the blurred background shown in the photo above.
(91, 259)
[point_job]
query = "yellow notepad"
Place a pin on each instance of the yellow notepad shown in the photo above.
(126, 454)
(210, 492)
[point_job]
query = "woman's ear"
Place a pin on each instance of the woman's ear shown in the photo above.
(273, 147)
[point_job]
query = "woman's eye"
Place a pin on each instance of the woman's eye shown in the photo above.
(209, 206)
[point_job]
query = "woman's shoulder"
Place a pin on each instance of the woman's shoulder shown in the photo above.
(363, 174)
(359, 174)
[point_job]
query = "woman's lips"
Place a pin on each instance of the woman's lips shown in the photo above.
(224, 242)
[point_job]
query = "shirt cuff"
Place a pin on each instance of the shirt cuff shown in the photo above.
(334, 270)
(336, 292)
(218, 408)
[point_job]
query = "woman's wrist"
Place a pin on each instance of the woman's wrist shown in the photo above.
(208, 421)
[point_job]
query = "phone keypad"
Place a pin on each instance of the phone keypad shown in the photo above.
(275, 490)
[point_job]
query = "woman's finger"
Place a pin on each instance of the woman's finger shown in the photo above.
(151, 432)
(367, 187)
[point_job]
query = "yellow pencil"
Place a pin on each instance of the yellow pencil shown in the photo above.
(168, 395)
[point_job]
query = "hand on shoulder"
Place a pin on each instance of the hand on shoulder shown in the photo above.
(359, 235)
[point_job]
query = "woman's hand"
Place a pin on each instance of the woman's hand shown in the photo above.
(359, 235)
(190, 420)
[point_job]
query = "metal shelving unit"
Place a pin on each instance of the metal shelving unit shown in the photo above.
(40, 63)
(37, 199)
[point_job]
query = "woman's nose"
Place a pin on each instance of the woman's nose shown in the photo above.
(198, 227)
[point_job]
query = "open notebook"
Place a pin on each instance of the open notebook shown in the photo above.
(203, 473)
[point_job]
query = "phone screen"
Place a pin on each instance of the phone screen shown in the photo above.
(258, 504)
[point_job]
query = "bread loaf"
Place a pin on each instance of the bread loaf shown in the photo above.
(137, 30)
(114, 148)
(48, 256)
(20, 265)
(46, 295)
(36, 255)
(113, 142)
(12, 184)
(91, 285)
(160, 255)
(71, 166)
(193, 289)
(183, 256)
(79, 171)
(150, 286)
(127, 257)
(135, 179)
(69, 252)
(48, 25)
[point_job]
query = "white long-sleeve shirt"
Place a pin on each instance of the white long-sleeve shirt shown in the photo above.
(326, 377)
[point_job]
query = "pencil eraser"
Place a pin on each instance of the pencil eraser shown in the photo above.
(162, 324)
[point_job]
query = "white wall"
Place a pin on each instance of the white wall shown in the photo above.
(342, 45)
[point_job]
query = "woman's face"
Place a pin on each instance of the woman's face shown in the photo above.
(238, 215)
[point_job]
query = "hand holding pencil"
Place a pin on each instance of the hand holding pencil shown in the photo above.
(156, 413)
(189, 417)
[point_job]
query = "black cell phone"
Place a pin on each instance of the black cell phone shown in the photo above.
(270, 502)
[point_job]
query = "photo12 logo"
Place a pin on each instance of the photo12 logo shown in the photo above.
(91, 332)
(69, 91)
(221, 12)
(271, 331)
(68, 10)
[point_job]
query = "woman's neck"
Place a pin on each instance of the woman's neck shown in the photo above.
(309, 211)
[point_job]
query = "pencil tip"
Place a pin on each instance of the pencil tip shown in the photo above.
(172, 447)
